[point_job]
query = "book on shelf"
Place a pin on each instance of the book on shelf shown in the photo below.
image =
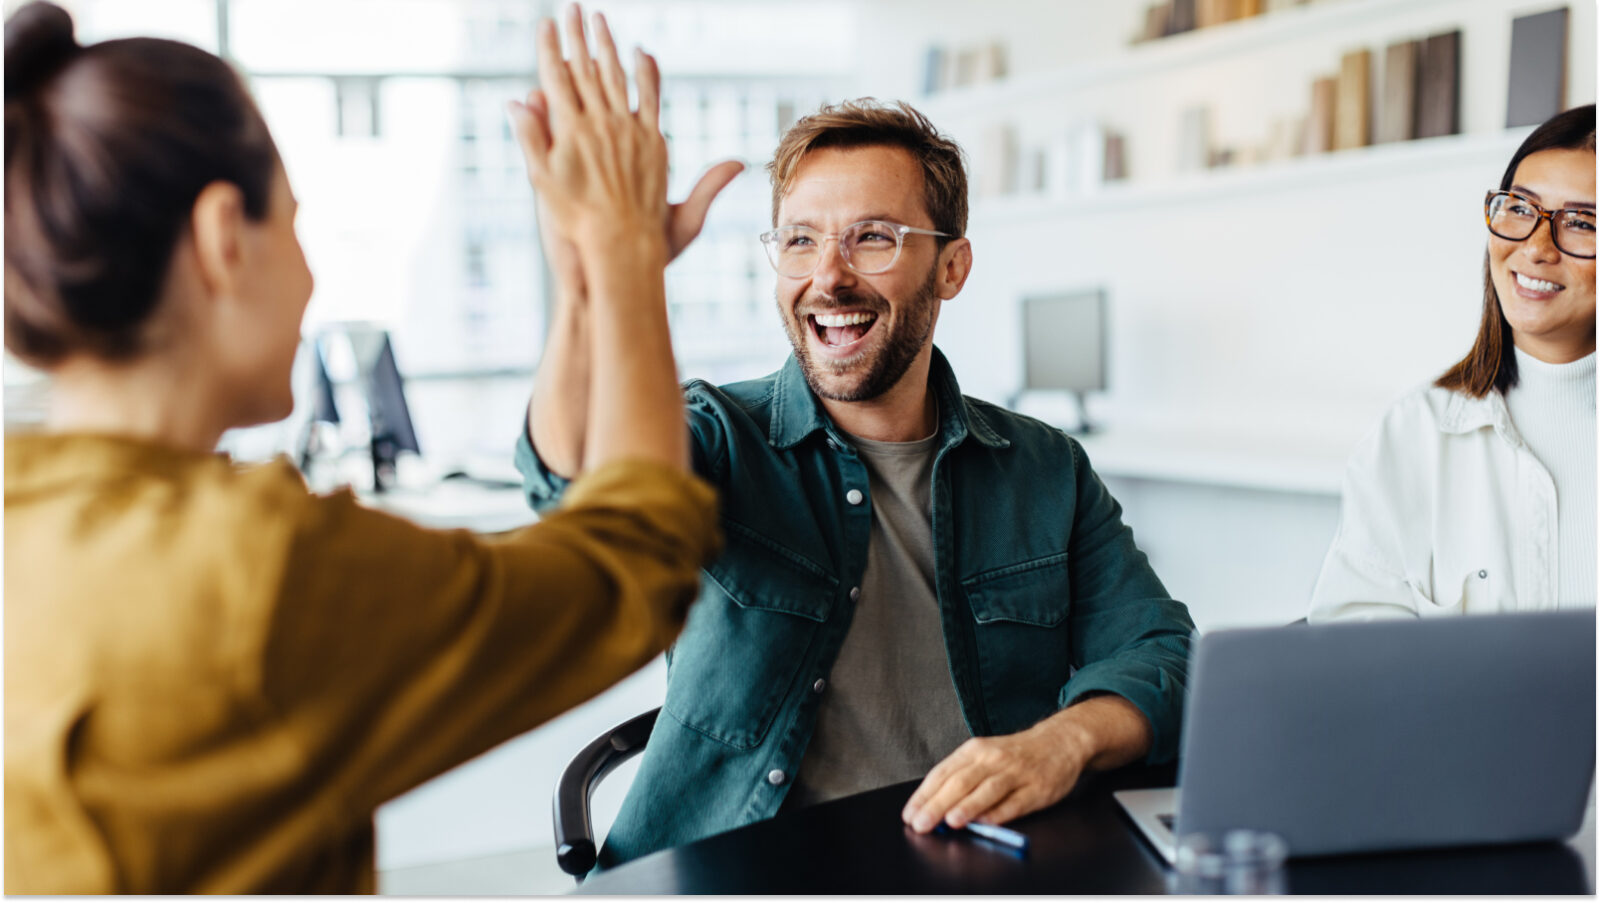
(1353, 110)
(1439, 86)
(1397, 105)
(966, 66)
(1181, 17)
(1037, 179)
(1537, 88)
(1194, 139)
(1157, 19)
(997, 161)
(1318, 135)
(1116, 157)
(1080, 159)
(1283, 138)
(991, 62)
(933, 70)
(1088, 143)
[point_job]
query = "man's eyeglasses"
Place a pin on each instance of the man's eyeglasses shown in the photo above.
(868, 247)
(1515, 218)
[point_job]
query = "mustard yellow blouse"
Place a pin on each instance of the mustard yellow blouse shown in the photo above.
(213, 677)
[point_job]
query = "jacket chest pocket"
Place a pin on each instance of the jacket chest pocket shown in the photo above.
(1020, 615)
(746, 639)
(1471, 578)
(1466, 589)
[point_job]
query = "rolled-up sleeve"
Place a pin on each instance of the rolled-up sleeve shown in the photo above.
(1128, 636)
(542, 486)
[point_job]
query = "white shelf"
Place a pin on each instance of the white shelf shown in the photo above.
(1295, 173)
(1182, 50)
(1268, 462)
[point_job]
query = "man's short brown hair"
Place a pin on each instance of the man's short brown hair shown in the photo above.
(866, 122)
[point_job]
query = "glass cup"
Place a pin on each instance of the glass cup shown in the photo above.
(1241, 861)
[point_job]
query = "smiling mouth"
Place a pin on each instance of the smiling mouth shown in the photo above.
(1537, 285)
(840, 330)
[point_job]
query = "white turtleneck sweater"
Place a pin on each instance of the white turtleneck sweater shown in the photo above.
(1552, 406)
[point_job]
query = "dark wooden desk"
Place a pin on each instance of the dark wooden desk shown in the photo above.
(1082, 845)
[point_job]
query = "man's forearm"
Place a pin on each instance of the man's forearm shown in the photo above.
(558, 412)
(1109, 729)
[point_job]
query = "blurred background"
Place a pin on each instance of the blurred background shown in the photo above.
(1226, 233)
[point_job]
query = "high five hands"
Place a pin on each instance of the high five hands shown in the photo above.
(591, 156)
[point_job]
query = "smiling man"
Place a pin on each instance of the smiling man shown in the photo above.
(916, 584)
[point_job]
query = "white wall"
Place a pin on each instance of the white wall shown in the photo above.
(1241, 293)
(1279, 306)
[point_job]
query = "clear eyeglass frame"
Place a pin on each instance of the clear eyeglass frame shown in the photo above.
(802, 266)
(1494, 200)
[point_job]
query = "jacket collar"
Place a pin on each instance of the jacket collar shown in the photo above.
(797, 413)
(1464, 414)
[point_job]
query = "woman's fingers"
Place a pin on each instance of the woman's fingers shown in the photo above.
(530, 124)
(612, 78)
(585, 75)
(648, 77)
(554, 75)
(588, 156)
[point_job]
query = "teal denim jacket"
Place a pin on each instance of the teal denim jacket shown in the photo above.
(1044, 596)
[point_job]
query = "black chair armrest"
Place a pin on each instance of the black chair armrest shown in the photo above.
(575, 846)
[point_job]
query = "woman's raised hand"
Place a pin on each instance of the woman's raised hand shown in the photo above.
(531, 120)
(598, 165)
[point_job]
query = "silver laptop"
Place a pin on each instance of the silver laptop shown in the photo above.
(1388, 735)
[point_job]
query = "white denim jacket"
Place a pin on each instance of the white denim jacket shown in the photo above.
(1445, 511)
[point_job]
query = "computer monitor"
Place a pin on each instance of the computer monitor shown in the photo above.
(383, 389)
(1064, 338)
(324, 409)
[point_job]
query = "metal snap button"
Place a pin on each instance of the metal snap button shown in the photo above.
(776, 777)
(855, 593)
(819, 686)
(854, 496)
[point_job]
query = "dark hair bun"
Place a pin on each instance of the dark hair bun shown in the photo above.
(39, 41)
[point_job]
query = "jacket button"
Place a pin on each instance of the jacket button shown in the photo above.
(776, 777)
(855, 593)
(854, 496)
(819, 686)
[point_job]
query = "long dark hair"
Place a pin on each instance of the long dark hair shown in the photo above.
(1490, 364)
(106, 149)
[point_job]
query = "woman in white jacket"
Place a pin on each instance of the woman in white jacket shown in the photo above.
(1477, 493)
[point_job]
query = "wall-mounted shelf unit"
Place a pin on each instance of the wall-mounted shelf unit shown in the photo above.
(1186, 50)
(1373, 162)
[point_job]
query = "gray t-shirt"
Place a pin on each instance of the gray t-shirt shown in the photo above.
(890, 711)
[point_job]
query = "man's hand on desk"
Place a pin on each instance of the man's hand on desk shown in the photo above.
(997, 779)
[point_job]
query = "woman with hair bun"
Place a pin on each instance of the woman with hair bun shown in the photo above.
(1477, 493)
(212, 676)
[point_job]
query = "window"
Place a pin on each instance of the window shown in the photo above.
(416, 212)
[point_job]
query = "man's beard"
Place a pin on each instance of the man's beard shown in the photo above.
(883, 366)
